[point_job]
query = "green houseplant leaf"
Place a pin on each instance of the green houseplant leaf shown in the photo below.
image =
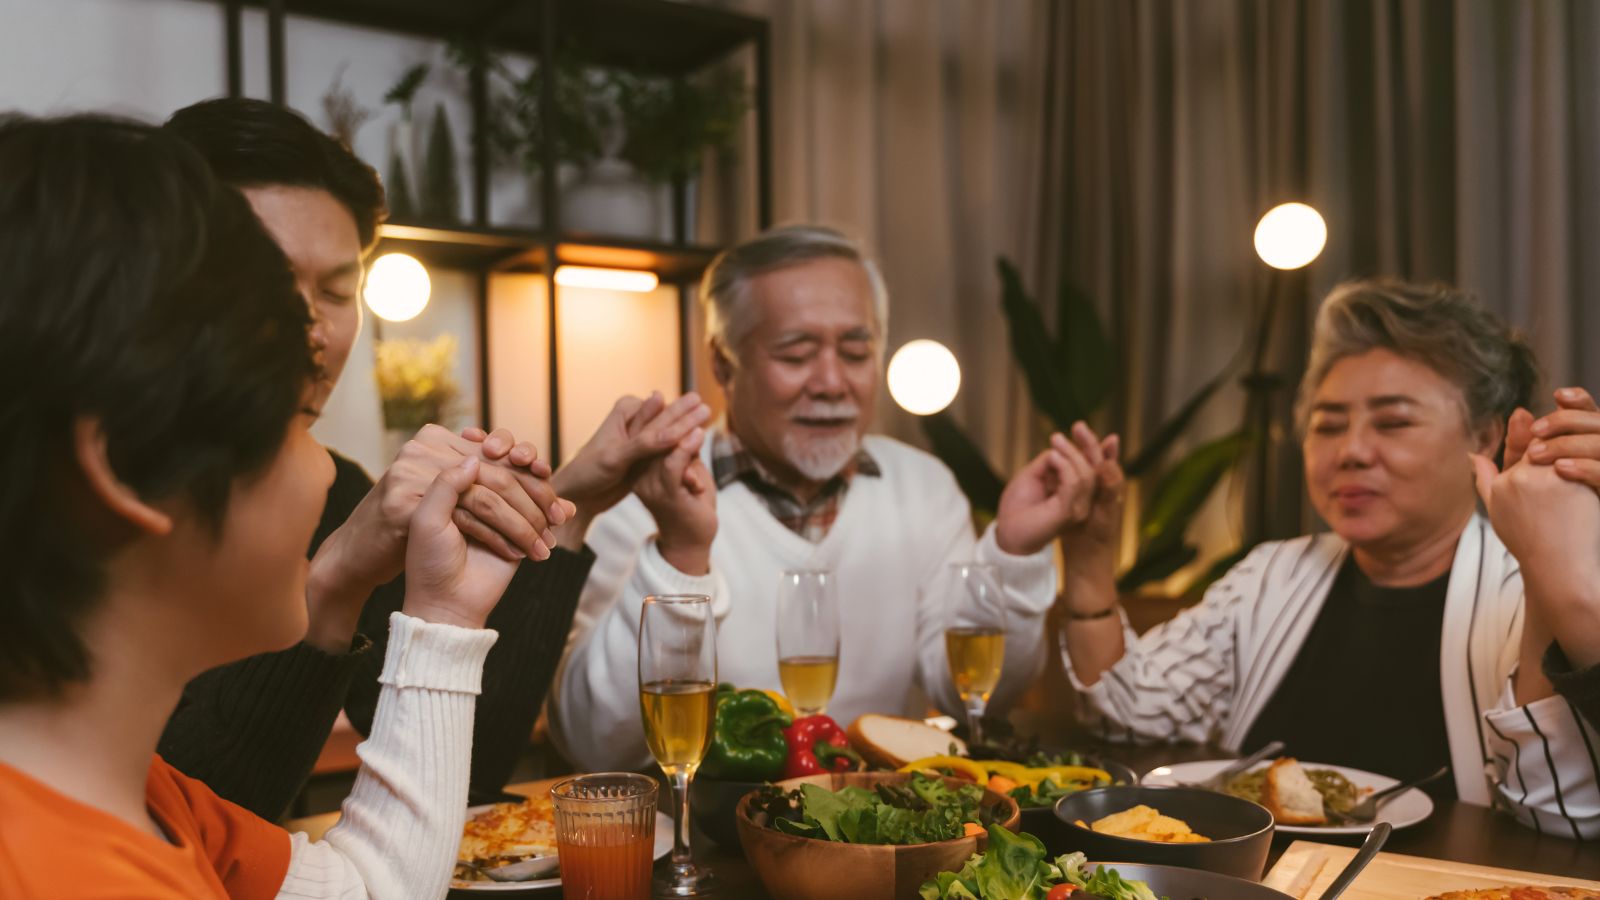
(1035, 352)
(1183, 490)
(977, 479)
(1085, 356)
(1173, 428)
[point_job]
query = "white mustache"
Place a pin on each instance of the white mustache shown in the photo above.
(826, 411)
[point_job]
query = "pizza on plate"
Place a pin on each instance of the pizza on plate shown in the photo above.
(506, 833)
(1522, 893)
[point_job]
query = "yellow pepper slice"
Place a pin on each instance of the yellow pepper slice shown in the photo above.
(1063, 774)
(955, 763)
(781, 700)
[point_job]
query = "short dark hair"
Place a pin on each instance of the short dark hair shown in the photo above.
(253, 143)
(138, 290)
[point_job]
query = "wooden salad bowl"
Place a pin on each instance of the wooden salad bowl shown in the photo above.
(798, 868)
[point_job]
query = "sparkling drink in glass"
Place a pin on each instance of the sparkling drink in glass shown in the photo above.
(808, 638)
(677, 697)
(974, 636)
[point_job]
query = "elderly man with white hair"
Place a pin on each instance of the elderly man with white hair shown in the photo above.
(791, 480)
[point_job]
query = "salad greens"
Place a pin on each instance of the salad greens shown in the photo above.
(921, 811)
(1014, 868)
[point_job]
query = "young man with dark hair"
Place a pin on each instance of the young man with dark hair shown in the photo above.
(253, 730)
(156, 379)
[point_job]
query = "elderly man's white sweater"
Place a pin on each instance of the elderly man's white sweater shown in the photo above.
(893, 539)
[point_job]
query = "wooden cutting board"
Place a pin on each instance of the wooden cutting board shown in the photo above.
(1306, 869)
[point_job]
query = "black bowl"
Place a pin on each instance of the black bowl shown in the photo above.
(1041, 821)
(712, 807)
(1192, 884)
(1240, 831)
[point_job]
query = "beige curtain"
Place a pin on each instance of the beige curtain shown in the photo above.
(915, 125)
(1441, 140)
(1131, 145)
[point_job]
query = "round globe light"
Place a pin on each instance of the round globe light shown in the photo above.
(924, 377)
(397, 287)
(1290, 236)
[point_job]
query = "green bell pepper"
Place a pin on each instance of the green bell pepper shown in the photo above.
(747, 741)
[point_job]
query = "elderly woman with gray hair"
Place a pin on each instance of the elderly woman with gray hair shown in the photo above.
(1397, 642)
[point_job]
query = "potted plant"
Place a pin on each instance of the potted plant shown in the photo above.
(1069, 374)
(416, 385)
(402, 143)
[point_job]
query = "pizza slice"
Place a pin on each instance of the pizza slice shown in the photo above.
(1522, 893)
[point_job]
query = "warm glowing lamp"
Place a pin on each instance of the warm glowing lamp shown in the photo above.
(397, 287)
(1290, 236)
(631, 280)
(924, 377)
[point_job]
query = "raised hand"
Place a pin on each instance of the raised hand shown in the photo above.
(450, 579)
(680, 494)
(605, 468)
(510, 509)
(1074, 488)
(1568, 438)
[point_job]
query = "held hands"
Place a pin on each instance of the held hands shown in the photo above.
(1568, 438)
(449, 579)
(607, 466)
(509, 508)
(1549, 523)
(680, 494)
(1073, 490)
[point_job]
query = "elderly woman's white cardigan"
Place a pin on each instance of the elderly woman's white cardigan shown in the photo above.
(1207, 675)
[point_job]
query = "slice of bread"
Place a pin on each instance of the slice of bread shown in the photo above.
(890, 741)
(1290, 796)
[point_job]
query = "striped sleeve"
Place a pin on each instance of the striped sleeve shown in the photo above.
(1177, 683)
(1547, 767)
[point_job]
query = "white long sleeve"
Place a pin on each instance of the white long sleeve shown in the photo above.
(1547, 765)
(400, 828)
(894, 536)
(601, 675)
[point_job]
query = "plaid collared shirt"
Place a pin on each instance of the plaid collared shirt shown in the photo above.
(731, 462)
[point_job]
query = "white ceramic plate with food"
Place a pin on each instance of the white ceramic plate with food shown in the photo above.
(1408, 808)
(663, 846)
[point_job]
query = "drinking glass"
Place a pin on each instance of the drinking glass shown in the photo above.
(808, 638)
(974, 636)
(605, 832)
(677, 697)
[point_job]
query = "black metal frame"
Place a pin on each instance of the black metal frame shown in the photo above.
(538, 29)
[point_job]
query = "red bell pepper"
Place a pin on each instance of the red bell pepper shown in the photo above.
(816, 745)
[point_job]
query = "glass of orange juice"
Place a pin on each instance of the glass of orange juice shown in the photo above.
(605, 832)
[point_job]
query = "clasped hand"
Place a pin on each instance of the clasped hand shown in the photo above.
(1072, 491)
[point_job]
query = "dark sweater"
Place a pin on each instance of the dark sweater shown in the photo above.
(1580, 687)
(252, 730)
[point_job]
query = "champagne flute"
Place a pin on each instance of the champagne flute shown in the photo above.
(974, 636)
(808, 638)
(677, 697)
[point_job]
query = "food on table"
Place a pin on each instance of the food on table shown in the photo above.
(1336, 791)
(506, 833)
(1030, 785)
(817, 745)
(1290, 795)
(890, 742)
(921, 810)
(1014, 868)
(1522, 894)
(1145, 823)
(747, 738)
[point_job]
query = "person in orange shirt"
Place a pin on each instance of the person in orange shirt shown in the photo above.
(160, 488)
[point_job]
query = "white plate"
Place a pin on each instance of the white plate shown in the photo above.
(1409, 808)
(662, 848)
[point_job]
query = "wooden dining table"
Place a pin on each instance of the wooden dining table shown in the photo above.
(1456, 831)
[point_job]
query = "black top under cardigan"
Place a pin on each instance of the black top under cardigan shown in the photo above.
(252, 730)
